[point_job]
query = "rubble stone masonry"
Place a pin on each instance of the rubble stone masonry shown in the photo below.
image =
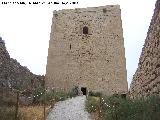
(146, 80)
(86, 49)
(13, 75)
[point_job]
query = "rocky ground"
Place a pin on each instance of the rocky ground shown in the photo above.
(71, 109)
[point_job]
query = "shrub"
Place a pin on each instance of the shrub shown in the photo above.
(60, 96)
(96, 94)
(117, 108)
(47, 97)
(74, 92)
(92, 104)
(38, 93)
(125, 109)
(52, 96)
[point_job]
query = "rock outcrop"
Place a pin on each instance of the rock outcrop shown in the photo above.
(13, 75)
(146, 80)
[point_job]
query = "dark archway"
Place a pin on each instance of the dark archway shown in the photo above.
(84, 90)
(123, 96)
(85, 30)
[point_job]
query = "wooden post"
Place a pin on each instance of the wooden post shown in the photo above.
(44, 105)
(44, 101)
(17, 106)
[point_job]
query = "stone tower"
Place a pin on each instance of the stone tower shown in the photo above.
(86, 49)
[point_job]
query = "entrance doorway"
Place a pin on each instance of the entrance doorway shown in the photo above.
(84, 90)
(123, 96)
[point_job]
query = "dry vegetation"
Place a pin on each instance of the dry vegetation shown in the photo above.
(25, 113)
(33, 112)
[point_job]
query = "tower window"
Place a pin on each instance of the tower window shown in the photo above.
(85, 30)
(104, 10)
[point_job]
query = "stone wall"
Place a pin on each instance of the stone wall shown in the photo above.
(13, 75)
(146, 80)
(96, 59)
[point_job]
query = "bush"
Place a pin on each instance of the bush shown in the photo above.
(92, 104)
(116, 108)
(52, 96)
(96, 94)
(47, 97)
(60, 96)
(38, 94)
(74, 92)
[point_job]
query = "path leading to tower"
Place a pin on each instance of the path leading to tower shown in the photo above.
(71, 109)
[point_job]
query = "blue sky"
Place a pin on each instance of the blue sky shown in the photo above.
(26, 29)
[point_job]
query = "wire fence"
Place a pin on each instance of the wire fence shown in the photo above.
(14, 105)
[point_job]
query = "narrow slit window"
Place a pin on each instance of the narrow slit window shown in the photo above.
(104, 10)
(70, 46)
(85, 30)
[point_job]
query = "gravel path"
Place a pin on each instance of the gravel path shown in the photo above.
(71, 109)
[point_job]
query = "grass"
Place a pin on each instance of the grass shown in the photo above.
(36, 111)
(25, 113)
(7, 113)
(92, 104)
(32, 112)
(117, 108)
(55, 96)
(126, 109)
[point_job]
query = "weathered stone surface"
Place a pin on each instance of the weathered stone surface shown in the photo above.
(148, 82)
(13, 75)
(86, 49)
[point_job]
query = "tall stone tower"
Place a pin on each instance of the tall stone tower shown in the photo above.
(86, 49)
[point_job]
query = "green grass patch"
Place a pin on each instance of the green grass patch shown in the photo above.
(55, 96)
(92, 104)
(118, 108)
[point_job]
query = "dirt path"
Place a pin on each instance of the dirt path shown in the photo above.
(71, 109)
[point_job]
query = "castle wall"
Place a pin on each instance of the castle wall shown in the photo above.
(146, 80)
(95, 60)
